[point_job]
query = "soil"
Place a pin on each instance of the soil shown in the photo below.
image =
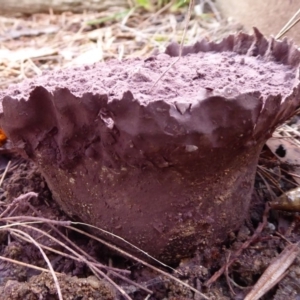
(19, 282)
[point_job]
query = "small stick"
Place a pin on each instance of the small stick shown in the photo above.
(187, 20)
(291, 23)
(274, 273)
(4, 174)
(227, 275)
(244, 246)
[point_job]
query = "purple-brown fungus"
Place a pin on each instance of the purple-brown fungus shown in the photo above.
(170, 168)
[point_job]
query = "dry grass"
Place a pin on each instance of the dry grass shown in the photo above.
(32, 45)
(72, 251)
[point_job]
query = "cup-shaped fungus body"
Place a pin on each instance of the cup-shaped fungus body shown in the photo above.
(169, 168)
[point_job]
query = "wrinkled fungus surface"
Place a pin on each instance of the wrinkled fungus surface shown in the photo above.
(169, 168)
(191, 80)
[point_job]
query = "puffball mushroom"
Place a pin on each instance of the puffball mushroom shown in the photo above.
(168, 168)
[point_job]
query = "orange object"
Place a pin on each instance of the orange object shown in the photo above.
(3, 137)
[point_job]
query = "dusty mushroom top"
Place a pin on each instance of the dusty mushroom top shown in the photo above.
(199, 76)
(246, 83)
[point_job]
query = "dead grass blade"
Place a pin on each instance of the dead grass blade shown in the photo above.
(82, 258)
(13, 261)
(268, 175)
(131, 245)
(112, 17)
(187, 20)
(92, 266)
(5, 172)
(76, 258)
(139, 260)
(60, 297)
(289, 25)
(68, 225)
(16, 201)
(274, 273)
(76, 248)
(213, 8)
(35, 220)
(79, 39)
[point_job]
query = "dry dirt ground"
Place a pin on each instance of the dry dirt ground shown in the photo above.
(85, 268)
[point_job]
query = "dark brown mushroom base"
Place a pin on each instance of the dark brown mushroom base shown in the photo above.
(169, 168)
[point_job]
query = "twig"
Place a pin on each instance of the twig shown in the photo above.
(283, 237)
(237, 285)
(5, 172)
(274, 273)
(244, 246)
(227, 276)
